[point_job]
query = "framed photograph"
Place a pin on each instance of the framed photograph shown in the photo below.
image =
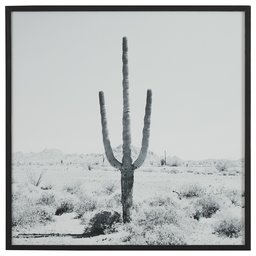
(128, 127)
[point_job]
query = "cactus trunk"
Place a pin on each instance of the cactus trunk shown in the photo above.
(126, 167)
(127, 179)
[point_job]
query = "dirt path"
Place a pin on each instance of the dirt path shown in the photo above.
(64, 230)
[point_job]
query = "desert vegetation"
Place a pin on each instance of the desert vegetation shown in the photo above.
(127, 166)
(188, 206)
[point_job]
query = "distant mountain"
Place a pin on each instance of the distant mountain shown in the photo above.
(47, 155)
(151, 160)
(55, 156)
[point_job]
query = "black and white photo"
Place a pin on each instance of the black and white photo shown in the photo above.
(129, 127)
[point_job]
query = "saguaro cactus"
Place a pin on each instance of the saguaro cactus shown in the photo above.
(126, 167)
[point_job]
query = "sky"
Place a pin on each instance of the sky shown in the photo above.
(192, 61)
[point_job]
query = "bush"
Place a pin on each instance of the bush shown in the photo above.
(192, 190)
(73, 188)
(30, 214)
(29, 206)
(161, 201)
(229, 227)
(85, 204)
(102, 221)
(34, 178)
(223, 165)
(44, 214)
(164, 235)
(157, 221)
(205, 207)
(46, 187)
(154, 227)
(114, 201)
(153, 216)
(159, 235)
(47, 198)
(65, 205)
(109, 188)
(174, 161)
(235, 197)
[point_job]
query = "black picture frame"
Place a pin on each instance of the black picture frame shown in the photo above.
(245, 9)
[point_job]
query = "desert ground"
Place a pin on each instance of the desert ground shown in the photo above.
(55, 203)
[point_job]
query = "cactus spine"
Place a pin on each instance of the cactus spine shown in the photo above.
(126, 167)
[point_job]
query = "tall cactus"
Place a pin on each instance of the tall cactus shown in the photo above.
(126, 167)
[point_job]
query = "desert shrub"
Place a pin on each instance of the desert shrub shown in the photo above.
(113, 201)
(34, 178)
(29, 206)
(159, 235)
(165, 235)
(44, 213)
(47, 198)
(235, 197)
(156, 216)
(205, 207)
(65, 204)
(85, 204)
(223, 165)
(73, 188)
(46, 187)
(161, 201)
(26, 214)
(192, 190)
(109, 188)
(173, 161)
(101, 222)
(158, 221)
(230, 227)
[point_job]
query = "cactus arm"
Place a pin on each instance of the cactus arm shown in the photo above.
(106, 141)
(146, 131)
(127, 160)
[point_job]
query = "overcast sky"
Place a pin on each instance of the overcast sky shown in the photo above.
(192, 61)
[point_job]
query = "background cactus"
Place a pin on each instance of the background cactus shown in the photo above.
(126, 167)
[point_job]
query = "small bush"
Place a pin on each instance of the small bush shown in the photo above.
(102, 221)
(155, 225)
(85, 204)
(34, 178)
(150, 217)
(229, 227)
(235, 197)
(113, 201)
(47, 198)
(109, 188)
(44, 214)
(73, 188)
(65, 205)
(30, 214)
(156, 221)
(46, 187)
(223, 165)
(162, 201)
(205, 207)
(29, 206)
(165, 235)
(192, 190)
